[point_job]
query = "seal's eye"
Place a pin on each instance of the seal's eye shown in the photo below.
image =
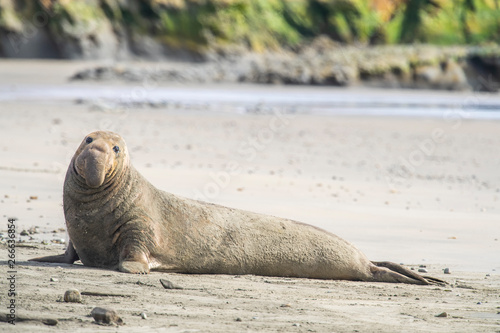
(116, 149)
(89, 140)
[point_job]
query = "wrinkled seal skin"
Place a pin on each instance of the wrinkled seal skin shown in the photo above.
(116, 219)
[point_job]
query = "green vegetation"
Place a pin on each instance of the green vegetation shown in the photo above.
(273, 24)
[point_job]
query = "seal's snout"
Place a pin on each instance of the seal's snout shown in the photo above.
(93, 164)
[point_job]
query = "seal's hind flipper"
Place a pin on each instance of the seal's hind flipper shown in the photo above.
(433, 280)
(404, 275)
(69, 257)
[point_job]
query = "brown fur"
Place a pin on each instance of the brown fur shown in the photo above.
(116, 219)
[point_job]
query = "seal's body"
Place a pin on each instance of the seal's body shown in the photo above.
(116, 219)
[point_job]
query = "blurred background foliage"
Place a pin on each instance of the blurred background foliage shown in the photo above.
(264, 24)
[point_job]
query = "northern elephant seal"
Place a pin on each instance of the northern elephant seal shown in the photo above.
(116, 219)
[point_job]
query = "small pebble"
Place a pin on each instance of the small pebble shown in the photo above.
(422, 270)
(447, 271)
(288, 305)
(54, 279)
(106, 316)
(238, 319)
(297, 325)
(442, 315)
(33, 197)
(72, 296)
(479, 303)
(144, 315)
(24, 233)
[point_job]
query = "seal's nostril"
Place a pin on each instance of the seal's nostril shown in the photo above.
(99, 148)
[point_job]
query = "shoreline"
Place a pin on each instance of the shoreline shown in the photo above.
(27, 80)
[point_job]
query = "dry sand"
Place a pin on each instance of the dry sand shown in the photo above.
(418, 191)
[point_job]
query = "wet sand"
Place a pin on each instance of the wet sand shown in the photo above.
(414, 190)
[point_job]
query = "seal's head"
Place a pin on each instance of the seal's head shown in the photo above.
(100, 156)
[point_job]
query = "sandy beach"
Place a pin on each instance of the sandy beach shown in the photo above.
(422, 191)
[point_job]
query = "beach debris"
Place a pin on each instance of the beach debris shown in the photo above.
(50, 321)
(106, 316)
(27, 246)
(422, 270)
(442, 315)
(101, 294)
(33, 230)
(72, 296)
(53, 279)
(33, 197)
(446, 271)
(169, 285)
(296, 324)
(24, 318)
(287, 305)
(144, 315)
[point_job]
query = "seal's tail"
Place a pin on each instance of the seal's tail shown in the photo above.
(386, 271)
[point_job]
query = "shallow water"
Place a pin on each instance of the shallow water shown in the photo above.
(267, 99)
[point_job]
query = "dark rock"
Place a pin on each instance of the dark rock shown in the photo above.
(169, 285)
(106, 316)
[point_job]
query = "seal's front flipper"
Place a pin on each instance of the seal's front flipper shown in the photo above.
(133, 260)
(69, 257)
(134, 267)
